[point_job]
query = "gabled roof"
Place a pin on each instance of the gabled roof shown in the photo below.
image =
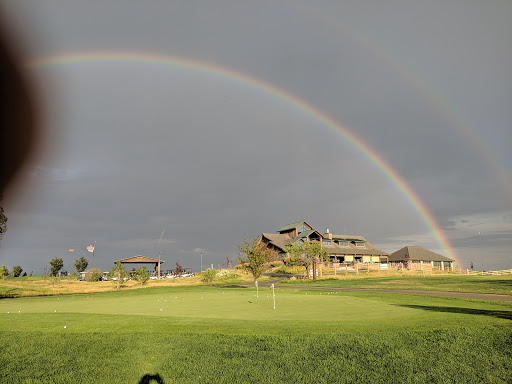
(307, 233)
(278, 240)
(416, 253)
(140, 259)
(287, 227)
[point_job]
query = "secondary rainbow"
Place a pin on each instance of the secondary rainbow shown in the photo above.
(271, 90)
(478, 142)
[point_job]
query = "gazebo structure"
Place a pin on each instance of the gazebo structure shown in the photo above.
(139, 259)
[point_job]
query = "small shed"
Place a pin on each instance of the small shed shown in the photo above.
(414, 257)
(139, 259)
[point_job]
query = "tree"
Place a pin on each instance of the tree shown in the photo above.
(307, 254)
(4, 271)
(141, 275)
(178, 270)
(56, 265)
(118, 274)
(81, 264)
(16, 271)
(256, 256)
(3, 219)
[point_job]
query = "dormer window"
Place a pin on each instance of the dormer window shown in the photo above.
(326, 242)
(342, 243)
(359, 244)
(302, 228)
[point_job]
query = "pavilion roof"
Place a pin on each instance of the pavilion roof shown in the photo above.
(140, 259)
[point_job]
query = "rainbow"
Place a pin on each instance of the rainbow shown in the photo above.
(478, 142)
(271, 90)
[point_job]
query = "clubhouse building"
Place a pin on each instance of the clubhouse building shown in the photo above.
(341, 248)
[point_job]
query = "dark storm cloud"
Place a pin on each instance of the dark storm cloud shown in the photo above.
(138, 148)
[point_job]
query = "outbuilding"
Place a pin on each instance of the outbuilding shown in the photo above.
(414, 257)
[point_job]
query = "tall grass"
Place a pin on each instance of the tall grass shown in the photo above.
(37, 286)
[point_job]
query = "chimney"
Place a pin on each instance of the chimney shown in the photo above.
(327, 234)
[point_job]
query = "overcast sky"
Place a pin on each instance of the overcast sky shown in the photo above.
(135, 150)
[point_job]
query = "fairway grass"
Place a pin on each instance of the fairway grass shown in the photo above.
(221, 335)
(448, 283)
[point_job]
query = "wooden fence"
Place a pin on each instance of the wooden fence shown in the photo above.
(337, 269)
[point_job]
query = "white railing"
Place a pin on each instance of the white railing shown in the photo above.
(488, 273)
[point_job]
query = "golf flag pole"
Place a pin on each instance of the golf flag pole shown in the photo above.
(256, 282)
(273, 295)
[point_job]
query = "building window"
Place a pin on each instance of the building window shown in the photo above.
(299, 242)
(314, 237)
(302, 228)
(343, 243)
(359, 244)
(326, 242)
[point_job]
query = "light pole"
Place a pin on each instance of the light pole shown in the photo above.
(159, 253)
(201, 261)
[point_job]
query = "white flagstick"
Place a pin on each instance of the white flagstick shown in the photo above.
(273, 295)
(256, 282)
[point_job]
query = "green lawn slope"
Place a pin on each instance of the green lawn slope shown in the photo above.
(228, 335)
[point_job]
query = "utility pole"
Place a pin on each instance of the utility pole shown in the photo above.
(201, 261)
(159, 253)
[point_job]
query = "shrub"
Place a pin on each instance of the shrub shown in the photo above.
(281, 269)
(276, 263)
(208, 275)
(289, 269)
(141, 275)
(226, 273)
(93, 275)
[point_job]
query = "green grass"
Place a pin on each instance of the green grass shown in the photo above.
(452, 283)
(221, 335)
(466, 355)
